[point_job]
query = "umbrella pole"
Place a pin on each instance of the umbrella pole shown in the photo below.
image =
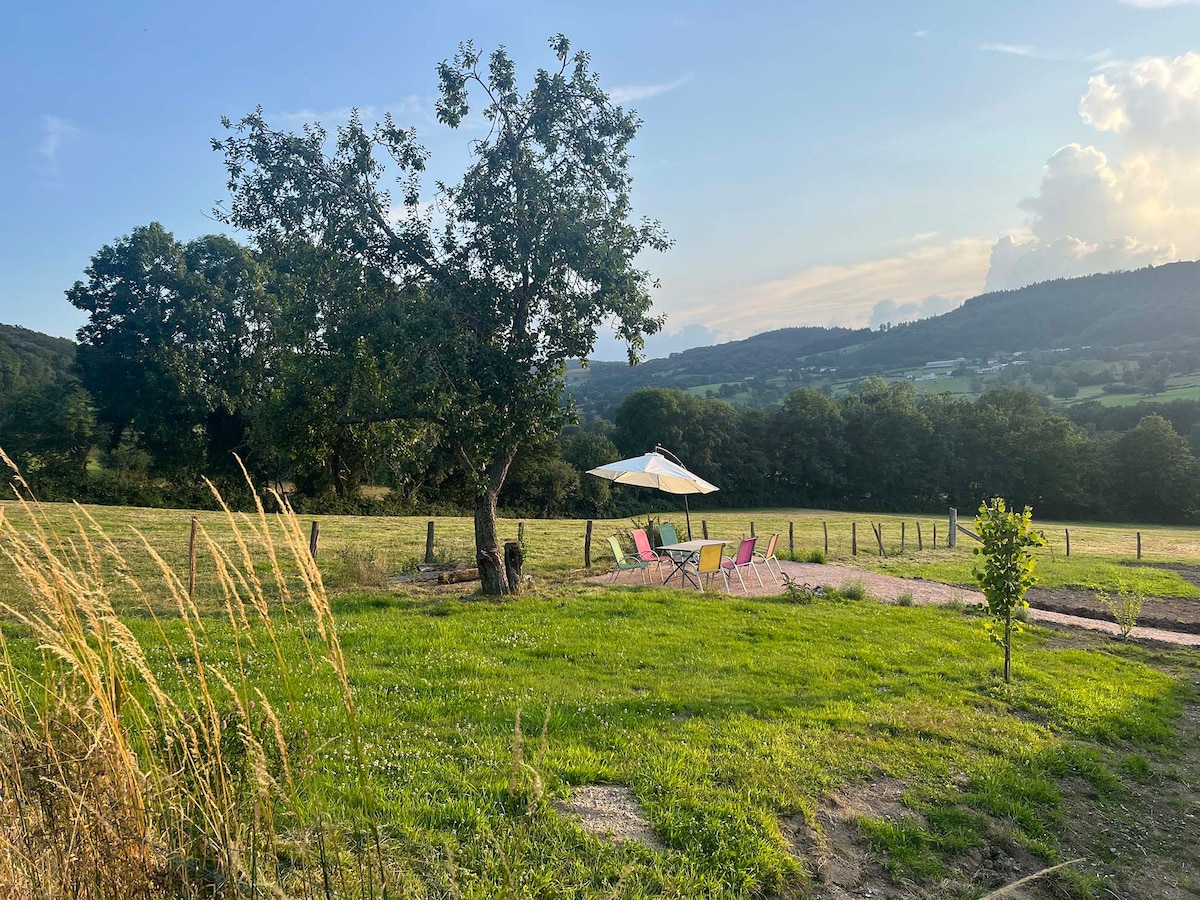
(688, 515)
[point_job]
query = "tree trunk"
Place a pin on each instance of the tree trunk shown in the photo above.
(488, 554)
(1008, 647)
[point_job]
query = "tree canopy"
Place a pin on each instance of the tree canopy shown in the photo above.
(501, 277)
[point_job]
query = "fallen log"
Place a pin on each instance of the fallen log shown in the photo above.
(458, 576)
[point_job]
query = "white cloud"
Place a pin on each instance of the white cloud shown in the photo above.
(411, 107)
(1159, 4)
(631, 93)
(1030, 52)
(55, 132)
(889, 312)
(1155, 101)
(1096, 212)
(921, 33)
(920, 237)
(849, 295)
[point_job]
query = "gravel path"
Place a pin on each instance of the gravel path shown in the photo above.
(889, 587)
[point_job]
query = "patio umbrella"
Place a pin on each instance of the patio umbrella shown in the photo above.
(654, 470)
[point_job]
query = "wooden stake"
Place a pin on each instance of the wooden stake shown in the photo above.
(429, 543)
(920, 540)
(935, 535)
(313, 536)
(791, 538)
(1068, 532)
(878, 529)
(704, 528)
(952, 540)
(1139, 534)
(192, 558)
(901, 537)
(521, 533)
(825, 528)
(854, 539)
(587, 546)
(751, 528)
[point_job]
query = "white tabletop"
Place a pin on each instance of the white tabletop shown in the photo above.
(690, 546)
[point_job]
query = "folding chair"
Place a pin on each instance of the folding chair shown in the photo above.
(743, 560)
(708, 562)
(623, 563)
(769, 557)
(666, 531)
(644, 551)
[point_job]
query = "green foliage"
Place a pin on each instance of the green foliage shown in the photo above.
(1007, 537)
(817, 557)
(853, 589)
(1125, 607)
(536, 250)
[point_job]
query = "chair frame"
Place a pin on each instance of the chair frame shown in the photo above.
(743, 560)
(648, 554)
(699, 561)
(622, 563)
(768, 556)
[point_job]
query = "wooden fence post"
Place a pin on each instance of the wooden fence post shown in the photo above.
(704, 528)
(429, 543)
(791, 538)
(920, 540)
(902, 537)
(1139, 534)
(854, 539)
(514, 559)
(751, 528)
(192, 559)
(312, 538)
(825, 528)
(521, 533)
(952, 540)
(587, 546)
(878, 529)
(935, 535)
(1068, 532)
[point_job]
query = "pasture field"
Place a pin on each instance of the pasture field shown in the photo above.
(366, 551)
(731, 720)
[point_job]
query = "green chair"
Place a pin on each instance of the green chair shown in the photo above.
(623, 563)
(666, 531)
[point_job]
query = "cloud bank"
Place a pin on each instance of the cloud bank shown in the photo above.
(1093, 213)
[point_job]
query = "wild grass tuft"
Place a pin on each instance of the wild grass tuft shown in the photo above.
(120, 777)
(853, 589)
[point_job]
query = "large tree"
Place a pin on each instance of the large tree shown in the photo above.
(176, 345)
(510, 271)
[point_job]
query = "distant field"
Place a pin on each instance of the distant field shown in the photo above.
(357, 550)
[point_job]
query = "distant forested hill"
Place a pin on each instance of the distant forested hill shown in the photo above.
(603, 385)
(29, 358)
(1118, 309)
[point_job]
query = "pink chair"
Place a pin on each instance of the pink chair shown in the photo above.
(743, 560)
(645, 552)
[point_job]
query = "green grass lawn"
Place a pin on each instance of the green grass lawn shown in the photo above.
(724, 716)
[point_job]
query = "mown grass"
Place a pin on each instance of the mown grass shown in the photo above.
(723, 715)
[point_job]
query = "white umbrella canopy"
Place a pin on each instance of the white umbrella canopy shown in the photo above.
(653, 470)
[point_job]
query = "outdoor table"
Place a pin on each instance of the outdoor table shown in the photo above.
(683, 553)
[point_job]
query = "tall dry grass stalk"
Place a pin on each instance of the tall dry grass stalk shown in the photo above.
(121, 777)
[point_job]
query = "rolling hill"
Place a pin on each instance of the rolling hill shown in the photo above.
(1143, 307)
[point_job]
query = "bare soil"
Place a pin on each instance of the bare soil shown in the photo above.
(611, 812)
(1169, 613)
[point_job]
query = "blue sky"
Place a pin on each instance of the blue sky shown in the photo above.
(815, 163)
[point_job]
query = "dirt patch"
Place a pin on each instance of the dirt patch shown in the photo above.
(834, 852)
(1158, 612)
(609, 811)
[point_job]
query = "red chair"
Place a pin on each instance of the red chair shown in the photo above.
(644, 550)
(743, 560)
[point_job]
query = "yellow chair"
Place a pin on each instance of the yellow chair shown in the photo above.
(708, 562)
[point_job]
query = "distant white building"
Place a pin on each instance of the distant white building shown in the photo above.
(945, 363)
